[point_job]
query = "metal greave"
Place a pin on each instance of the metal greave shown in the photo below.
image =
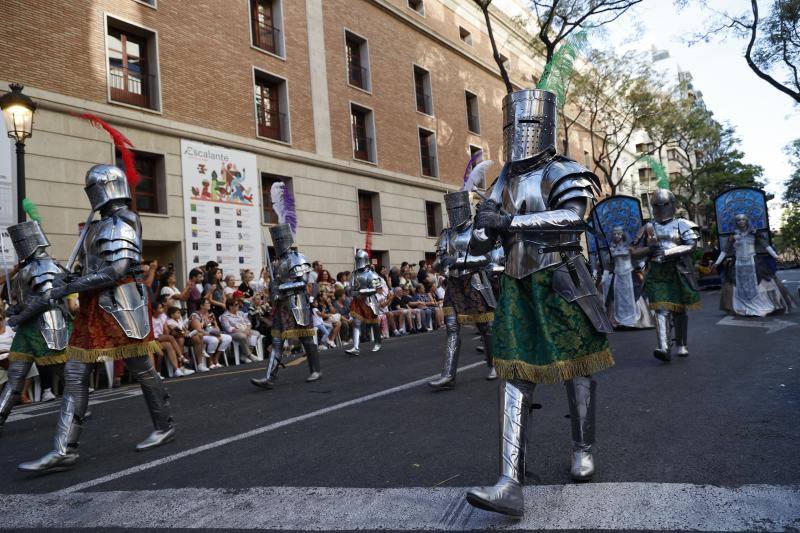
(73, 407)
(274, 357)
(516, 397)
(153, 390)
(452, 347)
(486, 330)
(376, 332)
(662, 330)
(581, 398)
(356, 333)
(312, 353)
(17, 370)
(681, 328)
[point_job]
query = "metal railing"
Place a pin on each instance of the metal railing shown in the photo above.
(362, 148)
(130, 87)
(266, 37)
(273, 125)
(357, 75)
(424, 103)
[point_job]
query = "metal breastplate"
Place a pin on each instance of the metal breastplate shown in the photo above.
(128, 304)
(668, 234)
(524, 195)
(293, 270)
(53, 326)
(744, 244)
(368, 282)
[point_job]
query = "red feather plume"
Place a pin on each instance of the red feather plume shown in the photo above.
(122, 143)
(368, 239)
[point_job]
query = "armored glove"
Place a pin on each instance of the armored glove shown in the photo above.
(34, 306)
(489, 216)
(447, 261)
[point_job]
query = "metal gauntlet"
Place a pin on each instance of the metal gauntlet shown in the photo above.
(560, 220)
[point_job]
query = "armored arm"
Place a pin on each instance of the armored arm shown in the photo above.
(443, 260)
(105, 277)
(688, 236)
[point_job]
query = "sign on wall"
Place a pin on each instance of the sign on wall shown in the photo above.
(221, 206)
(7, 200)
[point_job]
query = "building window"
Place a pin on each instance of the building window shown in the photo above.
(427, 153)
(473, 118)
(266, 24)
(132, 65)
(369, 208)
(149, 195)
(422, 90)
(645, 147)
(433, 218)
(357, 61)
(362, 123)
(465, 35)
(645, 175)
(417, 5)
(271, 106)
(267, 180)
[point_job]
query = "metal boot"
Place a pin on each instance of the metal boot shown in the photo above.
(376, 333)
(581, 398)
(452, 350)
(681, 333)
(17, 370)
(487, 333)
(157, 398)
(662, 331)
(268, 381)
(69, 423)
(506, 495)
(312, 355)
(356, 338)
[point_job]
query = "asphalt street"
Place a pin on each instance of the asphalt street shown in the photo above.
(708, 442)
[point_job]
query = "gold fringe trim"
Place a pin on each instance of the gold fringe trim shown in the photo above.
(669, 306)
(480, 318)
(365, 320)
(294, 333)
(94, 355)
(449, 310)
(56, 359)
(557, 372)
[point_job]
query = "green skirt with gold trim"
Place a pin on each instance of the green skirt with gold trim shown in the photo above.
(29, 345)
(666, 289)
(541, 337)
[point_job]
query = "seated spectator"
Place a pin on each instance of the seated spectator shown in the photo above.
(176, 297)
(438, 308)
(399, 315)
(205, 323)
(261, 315)
(341, 281)
(246, 286)
(195, 294)
(230, 286)
(425, 304)
(178, 327)
(422, 273)
(394, 278)
(341, 305)
(331, 318)
(168, 343)
(325, 284)
(237, 325)
(383, 272)
(323, 329)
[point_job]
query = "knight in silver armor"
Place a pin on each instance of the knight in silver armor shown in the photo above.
(110, 256)
(469, 298)
(671, 283)
(292, 313)
(41, 339)
(622, 287)
(364, 307)
(550, 324)
(750, 288)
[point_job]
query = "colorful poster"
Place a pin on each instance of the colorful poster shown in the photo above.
(222, 208)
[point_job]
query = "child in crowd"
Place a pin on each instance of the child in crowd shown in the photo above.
(178, 328)
(168, 343)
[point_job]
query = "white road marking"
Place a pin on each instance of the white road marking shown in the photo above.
(252, 433)
(772, 324)
(55, 406)
(599, 506)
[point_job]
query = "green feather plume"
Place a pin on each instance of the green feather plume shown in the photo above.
(558, 71)
(659, 171)
(32, 210)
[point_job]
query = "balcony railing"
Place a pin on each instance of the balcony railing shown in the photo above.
(131, 87)
(273, 125)
(362, 148)
(358, 75)
(266, 37)
(473, 123)
(424, 103)
(428, 165)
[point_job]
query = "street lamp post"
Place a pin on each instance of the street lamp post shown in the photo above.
(18, 110)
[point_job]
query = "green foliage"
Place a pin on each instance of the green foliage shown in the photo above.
(788, 240)
(558, 71)
(659, 171)
(792, 192)
(32, 210)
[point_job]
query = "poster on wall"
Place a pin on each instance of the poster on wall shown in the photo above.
(222, 208)
(7, 201)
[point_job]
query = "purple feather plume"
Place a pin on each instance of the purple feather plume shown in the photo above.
(290, 213)
(474, 160)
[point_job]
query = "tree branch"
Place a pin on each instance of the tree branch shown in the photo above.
(760, 73)
(484, 5)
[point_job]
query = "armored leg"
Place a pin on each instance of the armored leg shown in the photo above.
(487, 334)
(356, 338)
(157, 398)
(452, 350)
(267, 382)
(662, 331)
(581, 398)
(69, 423)
(506, 495)
(376, 332)
(312, 355)
(17, 370)
(681, 333)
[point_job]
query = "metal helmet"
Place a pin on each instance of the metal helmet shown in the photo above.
(529, 124)
(663, 202)
(458, 207)
(27, 238)
(282, 238)
(362, 259)
(105, 183)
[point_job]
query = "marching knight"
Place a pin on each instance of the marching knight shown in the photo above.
(292, 313)
(42, 339)
(671, 283)
(550, 325)
(113, 320)
(364, 306)
(469, 298)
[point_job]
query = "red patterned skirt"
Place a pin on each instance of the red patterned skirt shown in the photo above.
(360, 310)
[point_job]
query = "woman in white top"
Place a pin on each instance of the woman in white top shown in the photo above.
(175, 296)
